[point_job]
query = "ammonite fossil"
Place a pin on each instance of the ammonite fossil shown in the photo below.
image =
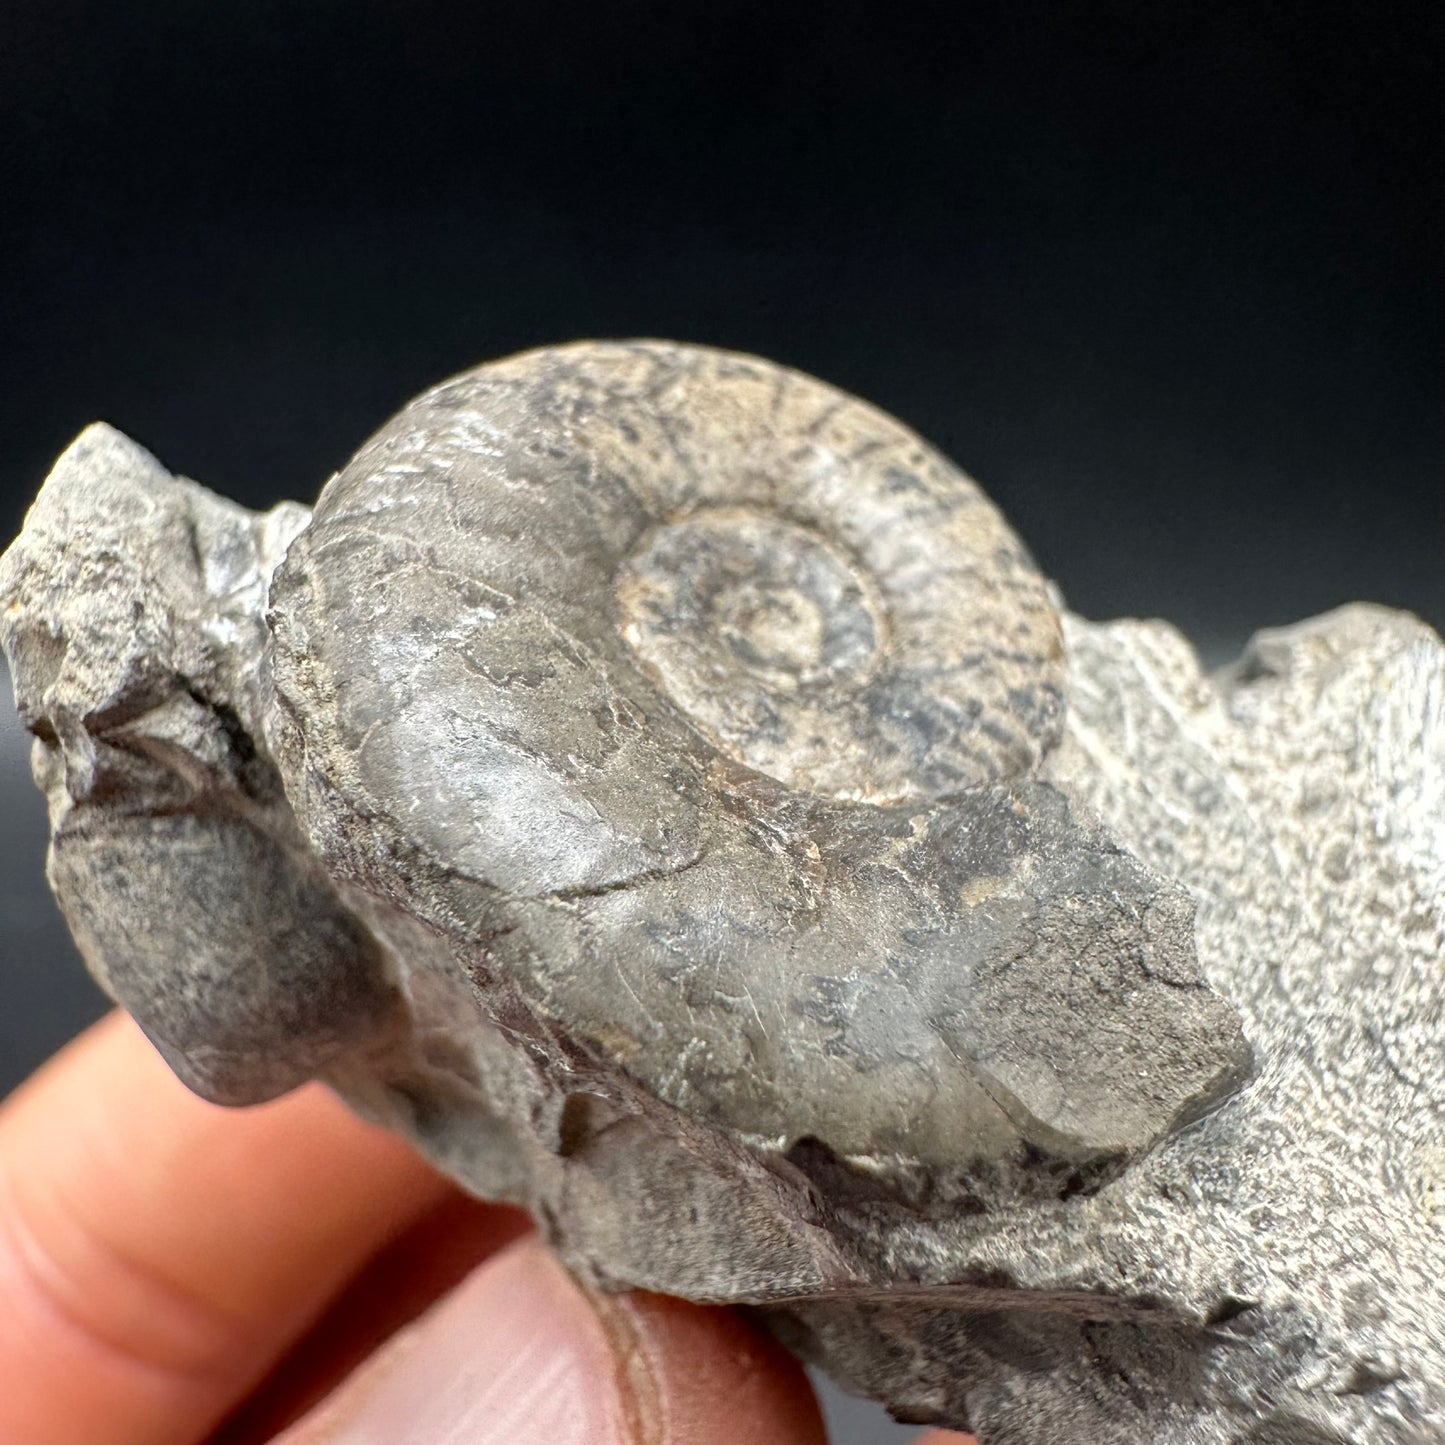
(664, 788)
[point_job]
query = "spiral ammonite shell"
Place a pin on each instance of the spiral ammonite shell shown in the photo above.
(704, 702)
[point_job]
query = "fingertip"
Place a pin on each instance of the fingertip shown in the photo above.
(706, 1375)
(520, 1354)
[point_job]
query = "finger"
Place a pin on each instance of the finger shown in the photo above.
(158, 1253)
(396, 1286)
(945, 1437)
(519, 1354)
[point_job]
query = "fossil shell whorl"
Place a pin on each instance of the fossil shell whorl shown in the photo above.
(700, 705)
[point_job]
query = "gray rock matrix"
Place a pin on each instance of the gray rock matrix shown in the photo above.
(663, 788)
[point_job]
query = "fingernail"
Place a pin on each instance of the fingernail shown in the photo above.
(515, 1355)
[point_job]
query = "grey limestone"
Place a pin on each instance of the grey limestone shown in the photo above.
(664, 788)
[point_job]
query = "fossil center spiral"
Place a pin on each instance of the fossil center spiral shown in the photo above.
(758, 628)
(733, 591)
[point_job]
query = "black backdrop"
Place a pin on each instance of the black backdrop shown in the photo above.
(1164, 277)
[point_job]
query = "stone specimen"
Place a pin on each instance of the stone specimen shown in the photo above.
(663, 788)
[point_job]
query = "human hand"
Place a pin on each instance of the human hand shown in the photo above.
(176, 1273)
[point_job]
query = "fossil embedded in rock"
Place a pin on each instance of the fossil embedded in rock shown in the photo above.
(664, 788)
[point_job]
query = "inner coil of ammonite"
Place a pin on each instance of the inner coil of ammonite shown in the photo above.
(829, 600)
(766, 634)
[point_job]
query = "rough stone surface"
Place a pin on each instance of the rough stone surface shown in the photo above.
(663, 788)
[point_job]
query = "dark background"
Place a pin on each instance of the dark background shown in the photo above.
(1164, 277)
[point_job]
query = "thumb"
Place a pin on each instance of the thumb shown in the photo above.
(520, 1354)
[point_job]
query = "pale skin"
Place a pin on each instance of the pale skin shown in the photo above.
(179, 1274)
